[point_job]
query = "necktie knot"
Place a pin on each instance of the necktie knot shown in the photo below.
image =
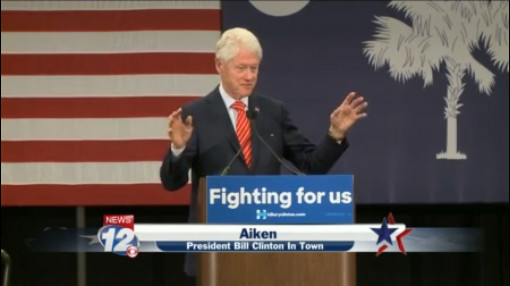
(239, 106)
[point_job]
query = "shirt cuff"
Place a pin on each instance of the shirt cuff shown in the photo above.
(177, 151)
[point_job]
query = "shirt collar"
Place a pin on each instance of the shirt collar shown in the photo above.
(229, 100)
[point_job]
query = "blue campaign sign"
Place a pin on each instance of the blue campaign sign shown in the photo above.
(280, 199)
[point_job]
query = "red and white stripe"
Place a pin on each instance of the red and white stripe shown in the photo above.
(86, 90)
(243, 131)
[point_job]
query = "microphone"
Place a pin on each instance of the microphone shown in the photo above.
(227, 168)
(252, 115)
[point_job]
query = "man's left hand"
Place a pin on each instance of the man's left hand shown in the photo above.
(346, 114)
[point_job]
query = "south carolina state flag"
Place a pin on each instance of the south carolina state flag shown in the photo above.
(435, 75)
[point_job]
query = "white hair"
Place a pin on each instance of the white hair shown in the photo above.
(231, 40)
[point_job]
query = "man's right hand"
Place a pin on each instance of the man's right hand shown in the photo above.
(179, 132)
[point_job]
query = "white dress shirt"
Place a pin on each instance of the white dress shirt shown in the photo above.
(232, 113)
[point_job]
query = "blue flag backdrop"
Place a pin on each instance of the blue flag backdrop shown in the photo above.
(437, 126)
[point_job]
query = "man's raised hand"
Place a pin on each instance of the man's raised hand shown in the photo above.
(179, 132)
(346, 114)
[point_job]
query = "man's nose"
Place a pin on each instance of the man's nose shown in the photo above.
(249, 74)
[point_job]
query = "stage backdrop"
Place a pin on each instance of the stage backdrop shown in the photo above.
(435, 76)
(87, 86)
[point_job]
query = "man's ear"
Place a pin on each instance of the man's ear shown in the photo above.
(219, 65)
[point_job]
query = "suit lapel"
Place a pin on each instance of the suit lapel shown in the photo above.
(255, 142)
(220, 114)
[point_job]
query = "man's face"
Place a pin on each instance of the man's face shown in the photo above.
(239, 75)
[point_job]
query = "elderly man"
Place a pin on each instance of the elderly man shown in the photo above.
(209, 133)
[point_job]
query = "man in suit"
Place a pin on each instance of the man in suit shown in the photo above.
(208, 133)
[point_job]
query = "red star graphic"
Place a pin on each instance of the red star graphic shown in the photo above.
(400, 236)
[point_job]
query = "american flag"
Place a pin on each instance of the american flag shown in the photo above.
(86, 90)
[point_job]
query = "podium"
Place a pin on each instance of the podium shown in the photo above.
(268, 269)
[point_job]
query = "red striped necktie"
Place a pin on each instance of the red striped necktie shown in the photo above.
(243, 131)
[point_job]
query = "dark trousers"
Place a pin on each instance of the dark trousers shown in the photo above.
(191, 281)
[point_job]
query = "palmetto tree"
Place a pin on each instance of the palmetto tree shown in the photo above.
(443, 32)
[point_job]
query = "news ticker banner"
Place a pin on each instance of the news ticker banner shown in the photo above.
(323, 199)
(120, 235)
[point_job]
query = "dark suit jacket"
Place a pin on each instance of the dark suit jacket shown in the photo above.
(214, 143)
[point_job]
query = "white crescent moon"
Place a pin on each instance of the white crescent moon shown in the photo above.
(279, 8)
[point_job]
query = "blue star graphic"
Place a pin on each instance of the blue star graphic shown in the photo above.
(384, 232)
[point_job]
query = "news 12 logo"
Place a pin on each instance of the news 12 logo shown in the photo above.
(261, 214)
(117, 235)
